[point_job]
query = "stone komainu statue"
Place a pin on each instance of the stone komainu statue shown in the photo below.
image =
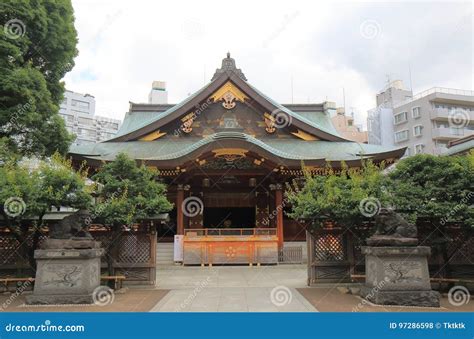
(391, 224)
(72, 226)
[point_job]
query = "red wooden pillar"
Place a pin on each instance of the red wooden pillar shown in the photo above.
(179, 210)
(279, 213)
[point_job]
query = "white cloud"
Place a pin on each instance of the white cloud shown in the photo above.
(125, 45)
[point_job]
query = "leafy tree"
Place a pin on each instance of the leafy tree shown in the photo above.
(37, 48)
(127, 193)
(345, 198)
(439, 188)
(29, 191)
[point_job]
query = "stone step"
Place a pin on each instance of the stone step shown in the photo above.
(165, 250)
(164, 253)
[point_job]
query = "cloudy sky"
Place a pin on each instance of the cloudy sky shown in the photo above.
(320, 47)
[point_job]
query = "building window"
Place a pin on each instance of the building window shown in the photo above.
(417, 130)
(407, 152)
(419, 148)
(415, 112)
(85, 121)
(401, 136)
(80, 104)
(400, 118)
(457, 131)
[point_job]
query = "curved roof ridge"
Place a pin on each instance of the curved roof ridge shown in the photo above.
(290, 149)
(222, 79)
(161, 115)
(295, 114)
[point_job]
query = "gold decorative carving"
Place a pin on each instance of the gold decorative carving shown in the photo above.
(188, 120)
(152, 136)
(229, 151)
(229, 93)
(303, 135)
(269, 123)
(230, 154)
(228, 99)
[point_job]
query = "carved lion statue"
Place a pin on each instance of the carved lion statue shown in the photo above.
(391, 224)
(72, 226)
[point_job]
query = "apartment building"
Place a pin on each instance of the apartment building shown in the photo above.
(428, 121)
(380, 119)
(425, 122)
(78, 111)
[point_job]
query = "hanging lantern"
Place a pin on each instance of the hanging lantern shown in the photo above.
(252, 182)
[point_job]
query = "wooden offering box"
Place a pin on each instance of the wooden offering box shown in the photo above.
(230, 246)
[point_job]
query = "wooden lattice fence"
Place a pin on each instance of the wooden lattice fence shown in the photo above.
(135, 254)
(334, 253)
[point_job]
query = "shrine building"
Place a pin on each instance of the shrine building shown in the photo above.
(226, 153)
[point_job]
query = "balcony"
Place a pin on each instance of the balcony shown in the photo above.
(446, 133)
(441, 93)
(447, 114)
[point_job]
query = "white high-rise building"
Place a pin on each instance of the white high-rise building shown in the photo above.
(158, 93)
(78, 111)
(425, 122)
(380, 118)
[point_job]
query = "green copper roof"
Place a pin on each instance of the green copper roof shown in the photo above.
(319, 120)
(142, 119)
(171, 148)
(136, 120)
(460, 148)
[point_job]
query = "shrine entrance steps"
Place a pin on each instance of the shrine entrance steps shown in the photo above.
(164, 253)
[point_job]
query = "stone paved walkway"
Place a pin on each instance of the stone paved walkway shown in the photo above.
(233, 289)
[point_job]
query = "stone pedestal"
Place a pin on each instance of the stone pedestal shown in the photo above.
(66, 276)
(398, 276)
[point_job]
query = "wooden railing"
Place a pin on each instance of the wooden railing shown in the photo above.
(204, 232)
